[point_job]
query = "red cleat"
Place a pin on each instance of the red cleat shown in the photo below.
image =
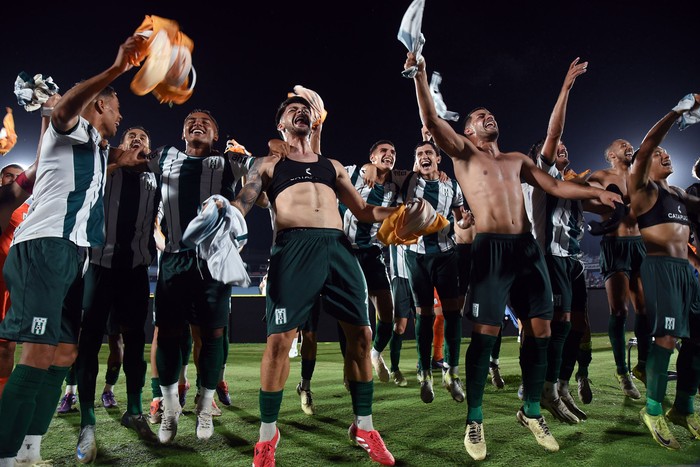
(372, 442)
(265, 452)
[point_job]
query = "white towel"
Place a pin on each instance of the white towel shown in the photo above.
(410, 33)
(689, 116)
(33, 92)
(440, 106)
(218, 234)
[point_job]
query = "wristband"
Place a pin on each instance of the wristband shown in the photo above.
(46, 111)
(24, 183)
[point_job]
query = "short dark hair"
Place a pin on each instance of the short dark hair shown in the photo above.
(381, 141)
(423, 143)
(11, 166)
(290, 100)
(536, 150)
(203, 111)
(468, 118)
(135, 127)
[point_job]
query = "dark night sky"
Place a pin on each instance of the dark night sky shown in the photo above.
(510, 58)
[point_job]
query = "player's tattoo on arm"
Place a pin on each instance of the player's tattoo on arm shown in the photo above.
(251, 190)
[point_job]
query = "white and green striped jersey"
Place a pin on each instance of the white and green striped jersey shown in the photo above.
(362, 234)
(185, 183)
(68, 189)
(397, 261)
(557, 224)
(131, 202)
(443, 197)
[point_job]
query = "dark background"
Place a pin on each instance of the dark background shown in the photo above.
(508, 56)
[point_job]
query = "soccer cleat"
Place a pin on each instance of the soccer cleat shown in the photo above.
(265, 452)
(559, 410)
(453, 385)
(108, 400)
(222, 393)
(640, 374)
(86, 450)
(627, 386)
(205, 424)
(568, 401)
(139, 424)
(399, 379)
(426, 387)
(67, 404)
(307, 403)
(539, 428)
(690, 422)
(380, 367)
(585, 394)
(168, 425)
(372, 442)
(182, 392)
(659, 429)
(474, 441)
(496, 379)
(155, 413)
(437, 364)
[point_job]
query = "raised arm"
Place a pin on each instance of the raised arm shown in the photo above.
(444, 135)
(66, 113)
(556, 121)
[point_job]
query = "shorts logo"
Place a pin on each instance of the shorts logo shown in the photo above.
(39, 326)
(557, 300)
(475, 310)
(280, 316)
(670, 324)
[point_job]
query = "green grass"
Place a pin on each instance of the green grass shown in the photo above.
(417, 434)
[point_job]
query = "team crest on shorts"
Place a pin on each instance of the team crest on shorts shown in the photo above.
(39, 326)
(670, 324)
(475, 310)
(280, 316)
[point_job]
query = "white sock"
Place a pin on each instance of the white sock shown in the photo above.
(364, 422)
(30, 451)
(7, 462)
(171, 400)
(71, 388)
(374, 353)
(494, 361)
(267, 431)
(206, 397)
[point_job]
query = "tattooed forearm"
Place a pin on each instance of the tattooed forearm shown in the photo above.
(250, 191)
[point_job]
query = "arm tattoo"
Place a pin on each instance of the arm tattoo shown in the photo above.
(251, 190)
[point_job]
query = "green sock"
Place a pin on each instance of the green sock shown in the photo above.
(71, 377)
(616, 333)
(533, 366)
(270, 403)
(361, 394)
(383, 335)
(476, 364)
(307, 368)
(133, 403)
(155, 387)
(560, 331)
(657, 378)
(169, 359)
(424, 339)
(568, 355)
(687, 366)
(475, 414)
(643, 335)
(395, 345)
(584, 357)
(46, 400)
(453, 336)
(112, 374)
(17, 407)
(87, 412)
(211, 357)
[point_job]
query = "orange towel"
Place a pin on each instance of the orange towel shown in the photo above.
(388, 232)
(8, 137)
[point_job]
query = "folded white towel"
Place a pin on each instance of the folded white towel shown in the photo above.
(32, 92)
(440, 106)
(217, 234)
(689, 116)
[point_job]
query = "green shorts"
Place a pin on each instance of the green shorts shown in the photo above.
(464, 255)
(508, 269)
(427, 272)
(186, 292)
(311, 324)
(567, 274)
(115, 298)
(403, 298)
(44, 279)
(306, 263)
(670, 295)
(621, 254)
(373, 267)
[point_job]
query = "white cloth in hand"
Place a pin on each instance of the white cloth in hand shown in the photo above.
(410, 33)
(440, 105)
(688, 116)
